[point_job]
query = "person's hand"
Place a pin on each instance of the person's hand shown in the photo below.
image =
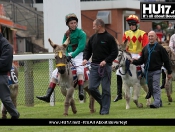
(84, 62)
(69, 58)
(169, 76)
(103, 63)
(131, 60)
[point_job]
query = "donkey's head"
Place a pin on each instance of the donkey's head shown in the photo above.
(60, 56)
(118, 62)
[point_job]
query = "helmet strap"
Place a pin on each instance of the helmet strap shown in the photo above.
(135, 29)
(70, 28)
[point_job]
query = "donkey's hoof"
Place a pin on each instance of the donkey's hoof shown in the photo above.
(140, 105)
(170, 99)
(65, 114)
(74, 112)
(92, 111)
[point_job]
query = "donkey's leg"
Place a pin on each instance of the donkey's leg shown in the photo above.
(72, 104)
(136, 91)
(91, 101)
(168, 85)
(91, 104)
(69, 95)
(145, 88)
(127, 94)
(14, 93)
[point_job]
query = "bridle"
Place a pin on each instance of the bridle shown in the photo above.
(119, 60)
(127, 62)
(59, 53)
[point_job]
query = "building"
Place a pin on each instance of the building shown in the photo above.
(9, 28)
(113, 12)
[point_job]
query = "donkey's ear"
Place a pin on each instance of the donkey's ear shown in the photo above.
(124, 45)
(67, 41)
(117, 42)
(125, 42)
(51, 43)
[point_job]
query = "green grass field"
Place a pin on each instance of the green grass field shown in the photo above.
(117, 110)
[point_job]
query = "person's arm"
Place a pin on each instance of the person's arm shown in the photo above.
(139, 61)
(114, 51)
(6, 56)
(145, 40)
(81, 44)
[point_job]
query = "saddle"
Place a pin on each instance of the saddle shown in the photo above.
(12, 78)
(74, 74)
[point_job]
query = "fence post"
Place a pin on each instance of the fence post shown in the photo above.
(29, 86)
(52, 98)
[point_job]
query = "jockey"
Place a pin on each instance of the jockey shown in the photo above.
(74, 54)
(137, 40)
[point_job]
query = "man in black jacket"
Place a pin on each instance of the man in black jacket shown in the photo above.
(6, 59)
(154, 56)
(103, 49)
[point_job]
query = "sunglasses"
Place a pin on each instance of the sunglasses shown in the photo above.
(132, 24)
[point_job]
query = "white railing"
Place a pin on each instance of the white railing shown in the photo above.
(28, 57)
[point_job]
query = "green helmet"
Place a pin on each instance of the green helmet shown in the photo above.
(69, 17)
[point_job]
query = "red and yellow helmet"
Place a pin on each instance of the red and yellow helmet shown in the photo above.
(133, 18)
(69, 17)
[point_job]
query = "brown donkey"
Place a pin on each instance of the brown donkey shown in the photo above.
(66, 78)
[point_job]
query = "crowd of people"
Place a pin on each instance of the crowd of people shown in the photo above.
(103, 50)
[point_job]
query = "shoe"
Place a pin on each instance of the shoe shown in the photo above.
(16, 117)
(118, 97)
(104, 113)
(153, 106)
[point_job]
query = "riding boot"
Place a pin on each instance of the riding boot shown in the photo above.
(49, 92)
(119, 88)
(81, 90)
(163, 79)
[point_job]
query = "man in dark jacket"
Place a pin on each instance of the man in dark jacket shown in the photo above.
(6, 59)
(153, 57)
(103, 49)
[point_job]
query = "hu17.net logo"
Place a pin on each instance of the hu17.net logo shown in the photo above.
(157, 11)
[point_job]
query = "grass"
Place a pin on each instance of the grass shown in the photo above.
(117, 110)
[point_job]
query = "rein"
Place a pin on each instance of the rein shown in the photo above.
(127, 68)
(127, 65)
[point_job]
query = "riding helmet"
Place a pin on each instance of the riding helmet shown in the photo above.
(69, 17)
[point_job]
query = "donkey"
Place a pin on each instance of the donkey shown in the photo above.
(168, 83)
(13, 85)
(129, 76)
(66, 78)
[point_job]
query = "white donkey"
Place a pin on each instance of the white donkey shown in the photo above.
(129, 76)
(66, 78)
